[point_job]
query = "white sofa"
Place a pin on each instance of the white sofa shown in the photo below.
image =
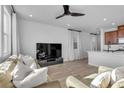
(37, 76)
(73, 82)
(26, 74)
(105, 78)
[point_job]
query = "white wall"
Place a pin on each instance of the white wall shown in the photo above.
(33, 32)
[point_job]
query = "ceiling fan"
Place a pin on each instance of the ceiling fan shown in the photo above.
(68, 13)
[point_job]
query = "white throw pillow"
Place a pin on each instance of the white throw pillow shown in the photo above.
(118, 84)
(33, 66)
(117, 74)
(101, 81)
(35, 78)
(29, 61)
(21, 71)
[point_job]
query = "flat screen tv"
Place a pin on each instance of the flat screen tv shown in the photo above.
(48, 51)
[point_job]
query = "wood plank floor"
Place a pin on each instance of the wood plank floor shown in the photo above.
(61, 71)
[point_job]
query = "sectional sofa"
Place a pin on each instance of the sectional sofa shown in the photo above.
(9, 68)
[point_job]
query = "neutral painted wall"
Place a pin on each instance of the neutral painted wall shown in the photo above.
(34, 32)
(31, 32)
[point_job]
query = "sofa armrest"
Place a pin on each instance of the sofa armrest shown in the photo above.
(72, 82)
(118, 84)
(102, 69)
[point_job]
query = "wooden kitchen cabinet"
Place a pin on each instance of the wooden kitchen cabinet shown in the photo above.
(121, 31)
(121, 27)
(111, 37)
(115, 37)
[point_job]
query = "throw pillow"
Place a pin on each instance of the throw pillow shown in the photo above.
(21, 71)
(35, 78)
(101, 81)
(117, 74)
(29, 61)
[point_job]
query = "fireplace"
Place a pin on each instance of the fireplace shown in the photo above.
(49, 53)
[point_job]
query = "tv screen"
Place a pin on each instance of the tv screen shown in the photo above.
(48, 51)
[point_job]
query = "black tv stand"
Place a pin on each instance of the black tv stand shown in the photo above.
(51, 61)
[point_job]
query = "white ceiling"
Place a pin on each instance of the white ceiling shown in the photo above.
(91, 22)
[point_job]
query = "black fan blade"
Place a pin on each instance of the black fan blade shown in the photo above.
(60, 16)
(77, 14)
(74, 30)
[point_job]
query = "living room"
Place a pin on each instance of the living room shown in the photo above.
(61, 46)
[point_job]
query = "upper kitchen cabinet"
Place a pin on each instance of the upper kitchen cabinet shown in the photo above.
(121, 27)
(121, 34)
(111, 37)
(121, 31)
(115, 37)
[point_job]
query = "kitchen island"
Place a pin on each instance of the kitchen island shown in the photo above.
(104, 58)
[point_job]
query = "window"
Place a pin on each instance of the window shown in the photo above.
(0, 33)
(5, 32)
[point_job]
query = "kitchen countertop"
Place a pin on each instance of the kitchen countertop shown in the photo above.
(118, 50)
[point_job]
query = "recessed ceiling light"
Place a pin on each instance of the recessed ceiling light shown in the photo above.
(113, 24)
(105, 19)
(30, 15)
(68, 25)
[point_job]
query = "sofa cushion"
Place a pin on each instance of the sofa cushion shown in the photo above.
(7, 66)
(21, 71)
(117, 74)
(101, 81)
(5, 79)
(13, 58)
